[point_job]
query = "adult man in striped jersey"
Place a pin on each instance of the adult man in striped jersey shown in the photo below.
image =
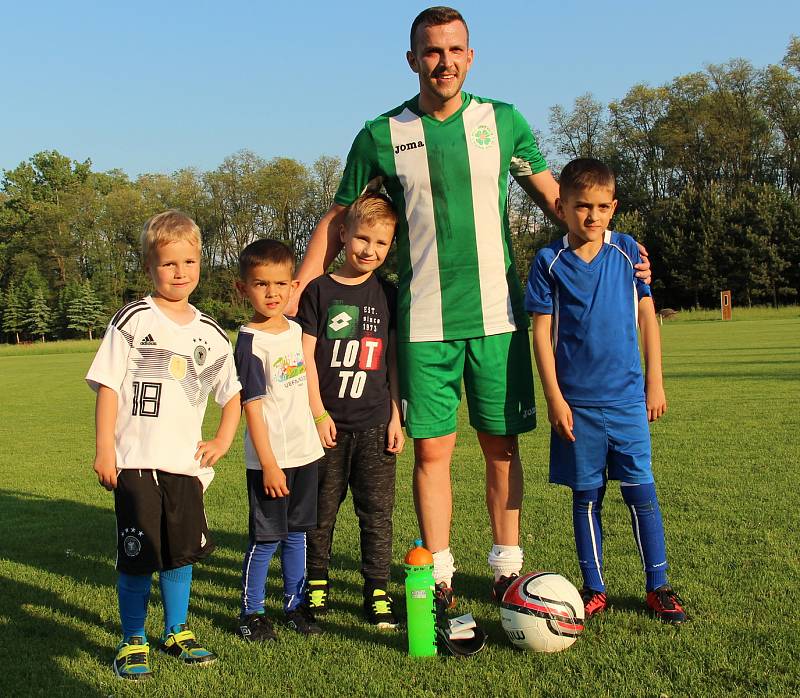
(444, 158)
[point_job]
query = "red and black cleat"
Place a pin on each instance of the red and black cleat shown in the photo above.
(594, 602)
(666, 605)
(500, 586)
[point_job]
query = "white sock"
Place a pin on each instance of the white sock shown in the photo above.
(505, 560)
(443, 567)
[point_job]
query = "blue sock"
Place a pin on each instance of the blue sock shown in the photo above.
(176, 586)
(133, 592)
(587, 506)
(254, 576)
(293, 564)
(648, 531)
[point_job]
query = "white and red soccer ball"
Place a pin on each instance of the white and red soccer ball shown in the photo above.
(542, 611)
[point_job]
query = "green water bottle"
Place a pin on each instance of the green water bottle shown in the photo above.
(420, 609)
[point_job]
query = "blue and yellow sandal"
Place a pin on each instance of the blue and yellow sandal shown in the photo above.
(133, 659)
(182, 644)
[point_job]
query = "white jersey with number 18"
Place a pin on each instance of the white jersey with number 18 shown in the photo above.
(163, 373)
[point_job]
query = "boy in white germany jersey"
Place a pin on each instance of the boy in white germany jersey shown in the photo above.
(281, 445)
(159, 360)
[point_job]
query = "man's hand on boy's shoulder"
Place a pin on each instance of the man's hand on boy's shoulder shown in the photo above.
(643, 268)
(395, 439)
(274, 481)
(106, 469)
(656, 401)
(326, 429)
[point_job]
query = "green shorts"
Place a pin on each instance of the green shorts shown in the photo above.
(497, 376)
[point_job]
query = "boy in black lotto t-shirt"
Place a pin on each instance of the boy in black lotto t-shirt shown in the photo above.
(348, 321)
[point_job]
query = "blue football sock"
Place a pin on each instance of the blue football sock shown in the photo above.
(254, 576)
(293, 564)
(587, 506)
(176, 586)
(133, 591)
(648, 531)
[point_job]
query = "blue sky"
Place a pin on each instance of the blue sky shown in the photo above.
(156, 86)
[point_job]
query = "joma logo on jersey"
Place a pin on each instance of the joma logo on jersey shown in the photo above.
(342, 321)
(408, 146)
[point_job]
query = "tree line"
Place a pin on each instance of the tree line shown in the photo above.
(708, 171)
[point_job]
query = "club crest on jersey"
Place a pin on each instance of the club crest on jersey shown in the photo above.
(200, 353)
(408, 146)
(342, 321)
(131, 541)
(483, 136)
(177, 367)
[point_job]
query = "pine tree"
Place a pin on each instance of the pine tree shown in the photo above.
(85, 311)
(38, 316)
(13, 312)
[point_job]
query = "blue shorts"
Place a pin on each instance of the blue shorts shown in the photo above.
(611, 443)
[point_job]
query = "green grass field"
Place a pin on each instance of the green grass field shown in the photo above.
(727, 463)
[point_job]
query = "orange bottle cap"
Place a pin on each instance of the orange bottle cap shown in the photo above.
(419, 556)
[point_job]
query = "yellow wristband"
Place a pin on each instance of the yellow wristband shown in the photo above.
(321, 418)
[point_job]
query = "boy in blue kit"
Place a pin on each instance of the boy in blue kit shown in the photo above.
(348, 320)
(281, 443)
(586, 303)
(159, 360)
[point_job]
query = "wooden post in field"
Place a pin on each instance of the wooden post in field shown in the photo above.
(725, 302)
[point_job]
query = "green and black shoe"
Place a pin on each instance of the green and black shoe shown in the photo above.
(181, 644)
(317, 595)
(133, 659)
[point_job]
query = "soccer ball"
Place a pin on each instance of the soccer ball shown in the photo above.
(542, 611)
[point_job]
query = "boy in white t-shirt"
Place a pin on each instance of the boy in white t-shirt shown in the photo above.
(159, 360)
(282, 447)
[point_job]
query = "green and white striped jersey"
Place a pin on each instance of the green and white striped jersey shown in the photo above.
(449, 182)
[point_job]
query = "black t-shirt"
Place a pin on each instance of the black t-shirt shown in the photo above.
(351, 324)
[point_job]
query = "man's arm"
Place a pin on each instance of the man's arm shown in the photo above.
(543, 189)
(323, 246)
(559, 413)
(651, 348)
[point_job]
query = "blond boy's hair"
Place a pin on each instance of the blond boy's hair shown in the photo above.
(168, 226)
(369, 209)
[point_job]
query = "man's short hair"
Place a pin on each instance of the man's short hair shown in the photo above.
(434, 17)
(585, 173)
(369, 209)
(263, 252)
(168, 226)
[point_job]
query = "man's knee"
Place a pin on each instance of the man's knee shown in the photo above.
(499, 451)
(434, 453)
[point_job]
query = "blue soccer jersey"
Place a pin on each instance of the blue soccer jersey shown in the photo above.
(594, 307)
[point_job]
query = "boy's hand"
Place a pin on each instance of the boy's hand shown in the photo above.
(326, 430)
(395, 439)
(209, 452)
(106, 469)
(643, 268)
(560, 416)
(274, 482)
(656, 401)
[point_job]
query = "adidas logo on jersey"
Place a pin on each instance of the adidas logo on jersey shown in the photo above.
(408, 146)
(148, 341)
